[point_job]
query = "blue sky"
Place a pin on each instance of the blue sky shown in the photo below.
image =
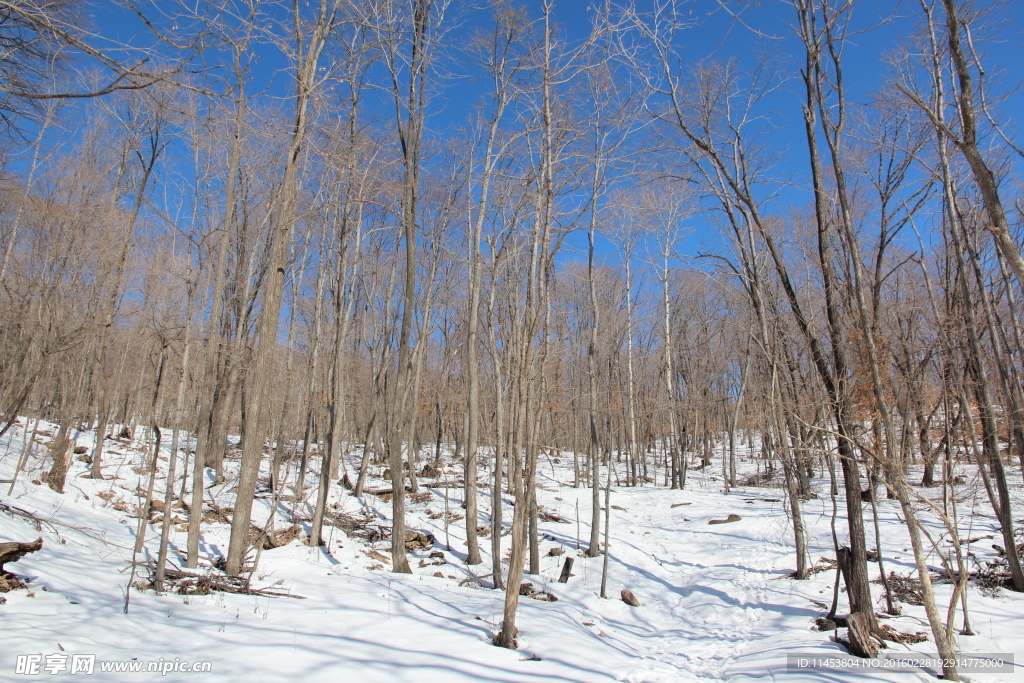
(763, 27)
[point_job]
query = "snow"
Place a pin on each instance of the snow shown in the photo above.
(716, 600)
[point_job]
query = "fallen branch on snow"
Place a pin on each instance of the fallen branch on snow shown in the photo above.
(189, 583)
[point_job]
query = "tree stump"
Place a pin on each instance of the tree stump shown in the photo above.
(862, 643)
(566, 570)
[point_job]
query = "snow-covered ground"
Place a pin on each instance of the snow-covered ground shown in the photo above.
(716, 600)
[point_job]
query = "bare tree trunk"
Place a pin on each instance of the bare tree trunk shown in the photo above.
(351, 219)
(497, 512)
(736, 419)
(308, 51)
(594, 549)
(213, 341)
(165, 531)
(967, 142)
(508, 25)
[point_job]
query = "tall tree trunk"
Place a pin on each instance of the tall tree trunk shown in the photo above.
(308, 51)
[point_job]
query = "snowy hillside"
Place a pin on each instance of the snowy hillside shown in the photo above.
(717, 603)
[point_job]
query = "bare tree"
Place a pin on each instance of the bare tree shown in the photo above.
(310, 39)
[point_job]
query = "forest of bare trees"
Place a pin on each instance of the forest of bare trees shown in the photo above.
(422, 231)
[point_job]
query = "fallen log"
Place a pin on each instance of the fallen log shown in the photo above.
(385, 492)
(13, 551)
(727, 520)
(471, 579)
